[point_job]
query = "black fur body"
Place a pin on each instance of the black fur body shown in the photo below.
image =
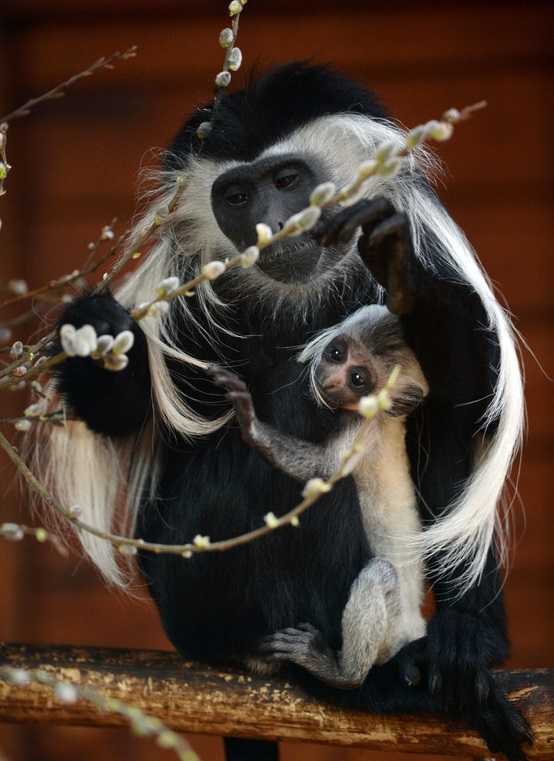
(217, 606)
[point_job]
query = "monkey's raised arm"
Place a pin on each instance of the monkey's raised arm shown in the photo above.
(299, 459)
(111, 403)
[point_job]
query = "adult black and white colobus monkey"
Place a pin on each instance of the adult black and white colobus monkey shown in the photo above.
(163, 430)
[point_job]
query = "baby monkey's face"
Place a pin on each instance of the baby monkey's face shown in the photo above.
(348, 371)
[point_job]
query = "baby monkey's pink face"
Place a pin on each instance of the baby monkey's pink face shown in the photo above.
(348, 371)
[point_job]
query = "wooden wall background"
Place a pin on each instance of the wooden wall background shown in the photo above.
(75, 163)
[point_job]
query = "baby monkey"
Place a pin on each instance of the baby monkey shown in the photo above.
(383, 612)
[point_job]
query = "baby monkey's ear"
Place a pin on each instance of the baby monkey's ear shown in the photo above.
(405, 402)
(410, 389)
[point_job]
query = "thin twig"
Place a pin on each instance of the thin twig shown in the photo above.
(106, 62)
(128, 546)
(386, 163)
(30, 355)
(21, 319)
(220, 90)
(58, 416)
(14, 532)
(69, 279)
(144, 238)
(4, 165)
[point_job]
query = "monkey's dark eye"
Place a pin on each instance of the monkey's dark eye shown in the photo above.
(336, 352)
(359, 379)
(286, 179)
(236, 196)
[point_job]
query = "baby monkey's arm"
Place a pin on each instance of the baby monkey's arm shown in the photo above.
(300, 459)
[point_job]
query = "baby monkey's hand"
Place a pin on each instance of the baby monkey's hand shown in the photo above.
(239, 396)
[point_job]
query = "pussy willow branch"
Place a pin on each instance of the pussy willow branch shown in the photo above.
(126, 545)
(235, 10)
(56, 416)
(68, 692)
(34, 352)
(383, 165)
(66, 280)
(430, 130)
(106, 62)
(4, 165)
(14, 532)
(136, 251)
(21, 319)
(129, 546)
(29, 355)
(413, 139)
(450, 117)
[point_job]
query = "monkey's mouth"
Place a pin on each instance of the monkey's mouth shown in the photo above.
(291, 260)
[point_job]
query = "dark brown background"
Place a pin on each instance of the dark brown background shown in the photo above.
(75, 163)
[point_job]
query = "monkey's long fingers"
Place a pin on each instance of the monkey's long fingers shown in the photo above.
(387, 251)
(290, 644)
(278, 644)
(396, 225)
(308, 628)
(364, 213)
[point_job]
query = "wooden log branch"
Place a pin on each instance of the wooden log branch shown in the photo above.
(195, 698)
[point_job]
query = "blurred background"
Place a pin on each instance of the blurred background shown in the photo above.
(75, 164)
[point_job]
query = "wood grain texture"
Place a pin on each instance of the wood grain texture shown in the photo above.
(199, 699)
(193, 698)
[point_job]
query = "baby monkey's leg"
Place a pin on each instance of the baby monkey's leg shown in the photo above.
(368, 632)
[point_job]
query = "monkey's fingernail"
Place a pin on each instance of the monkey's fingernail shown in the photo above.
(412, 675)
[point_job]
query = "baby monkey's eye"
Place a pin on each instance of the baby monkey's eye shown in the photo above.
(359, 379)
(336, 352)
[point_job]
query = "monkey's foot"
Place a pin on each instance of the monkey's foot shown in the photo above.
(306, 647)
(385, 246)
(239, 396)
(458, 676)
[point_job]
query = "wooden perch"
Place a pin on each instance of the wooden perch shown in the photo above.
(190, 697)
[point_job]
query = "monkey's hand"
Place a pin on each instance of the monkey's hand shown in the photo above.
(240, 397)
(115, 403)
(453, 661)
(385, 246)
(298, 459)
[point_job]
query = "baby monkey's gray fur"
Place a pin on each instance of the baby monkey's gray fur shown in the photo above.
(383, 611)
